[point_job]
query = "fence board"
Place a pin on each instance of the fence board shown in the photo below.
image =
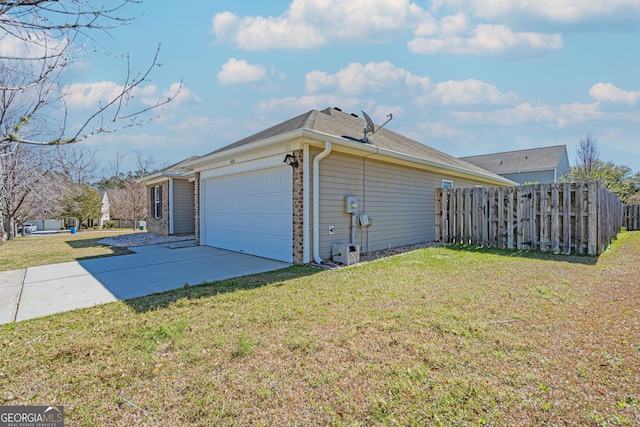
(511, 220)
(555, 218)
(578, 207)
(544, 218)
(593, 219)
(467, 215)
(567, 223)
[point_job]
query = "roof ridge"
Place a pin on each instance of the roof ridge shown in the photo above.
(516, 151)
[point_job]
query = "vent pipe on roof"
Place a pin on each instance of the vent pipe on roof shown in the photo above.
(316, 201)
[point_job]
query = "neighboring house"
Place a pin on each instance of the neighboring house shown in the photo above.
(171, 194)
(47, 224)
(542, 165)
(293, 191)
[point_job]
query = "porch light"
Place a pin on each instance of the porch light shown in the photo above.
(290, 159)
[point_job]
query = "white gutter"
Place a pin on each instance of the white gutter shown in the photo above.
(316, 200)
(170, 205)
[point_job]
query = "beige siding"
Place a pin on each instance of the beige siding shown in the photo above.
(183, 207)
(400, 202)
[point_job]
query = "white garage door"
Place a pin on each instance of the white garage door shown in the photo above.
(251, 213)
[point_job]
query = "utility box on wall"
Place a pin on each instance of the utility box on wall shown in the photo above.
(350, 204)
(346, 254)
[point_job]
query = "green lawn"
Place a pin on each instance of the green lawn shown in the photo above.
(440, 336)
(33, 250)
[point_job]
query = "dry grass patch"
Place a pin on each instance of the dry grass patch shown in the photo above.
(438, 336)
(33, 250)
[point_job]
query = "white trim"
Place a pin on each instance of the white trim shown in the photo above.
(156, 190)
(268, 162)
(203, 218)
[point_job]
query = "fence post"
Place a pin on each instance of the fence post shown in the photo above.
(445, 216)
(555, 218)
(439, 215)
(500, 230)
(566, 223)
(544, 229)
(533, 216)
(468, 231)
(579, 203)
(511, 215)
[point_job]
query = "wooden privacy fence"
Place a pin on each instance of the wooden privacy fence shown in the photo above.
(577, 218)
(632, 217)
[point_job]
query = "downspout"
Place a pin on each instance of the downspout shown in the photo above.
(316, 201)
(305, 203)
(170, 206)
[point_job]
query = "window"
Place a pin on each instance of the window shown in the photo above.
(157, 201)
(447, 183)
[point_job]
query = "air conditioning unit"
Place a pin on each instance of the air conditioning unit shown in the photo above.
(346, 253)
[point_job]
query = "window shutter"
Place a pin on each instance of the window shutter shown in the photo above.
(159, 201)
(152, 198)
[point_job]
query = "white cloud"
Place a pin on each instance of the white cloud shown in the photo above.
(239, 71)
(562, 11)
(437, 130)
(526, 113)
(82, 95)
(180, 93)
(606, 92)
(90, 95)
(313, 23)
(358, 79)
(467, 92)
(485, 39)
(291, 105)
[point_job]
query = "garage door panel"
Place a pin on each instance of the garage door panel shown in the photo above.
(251, 213)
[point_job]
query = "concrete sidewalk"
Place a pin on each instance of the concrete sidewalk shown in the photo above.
(40, 291)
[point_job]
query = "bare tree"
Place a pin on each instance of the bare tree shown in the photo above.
(144, 164)
(114, 169)
(77, 162)
(25, 169)
(129, 202)
(588, 156)
(39, 39)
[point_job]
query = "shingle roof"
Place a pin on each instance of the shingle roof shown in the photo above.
(333, 121)
(544, 158)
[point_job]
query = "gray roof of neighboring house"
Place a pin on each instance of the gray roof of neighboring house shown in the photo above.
(333, 121)
(545, 158)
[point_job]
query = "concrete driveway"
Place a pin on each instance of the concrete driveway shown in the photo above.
(40, 291)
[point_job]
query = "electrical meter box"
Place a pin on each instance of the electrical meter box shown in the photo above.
(350, 204)
(345, 253)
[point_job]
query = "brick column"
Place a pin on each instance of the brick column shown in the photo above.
(298, 209)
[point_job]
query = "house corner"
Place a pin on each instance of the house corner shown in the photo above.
(298, 208)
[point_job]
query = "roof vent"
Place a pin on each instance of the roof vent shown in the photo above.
(336, 108)
(354, 115)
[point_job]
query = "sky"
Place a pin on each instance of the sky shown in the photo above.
(466, 77)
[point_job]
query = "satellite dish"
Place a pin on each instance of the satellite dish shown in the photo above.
(371, 128)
